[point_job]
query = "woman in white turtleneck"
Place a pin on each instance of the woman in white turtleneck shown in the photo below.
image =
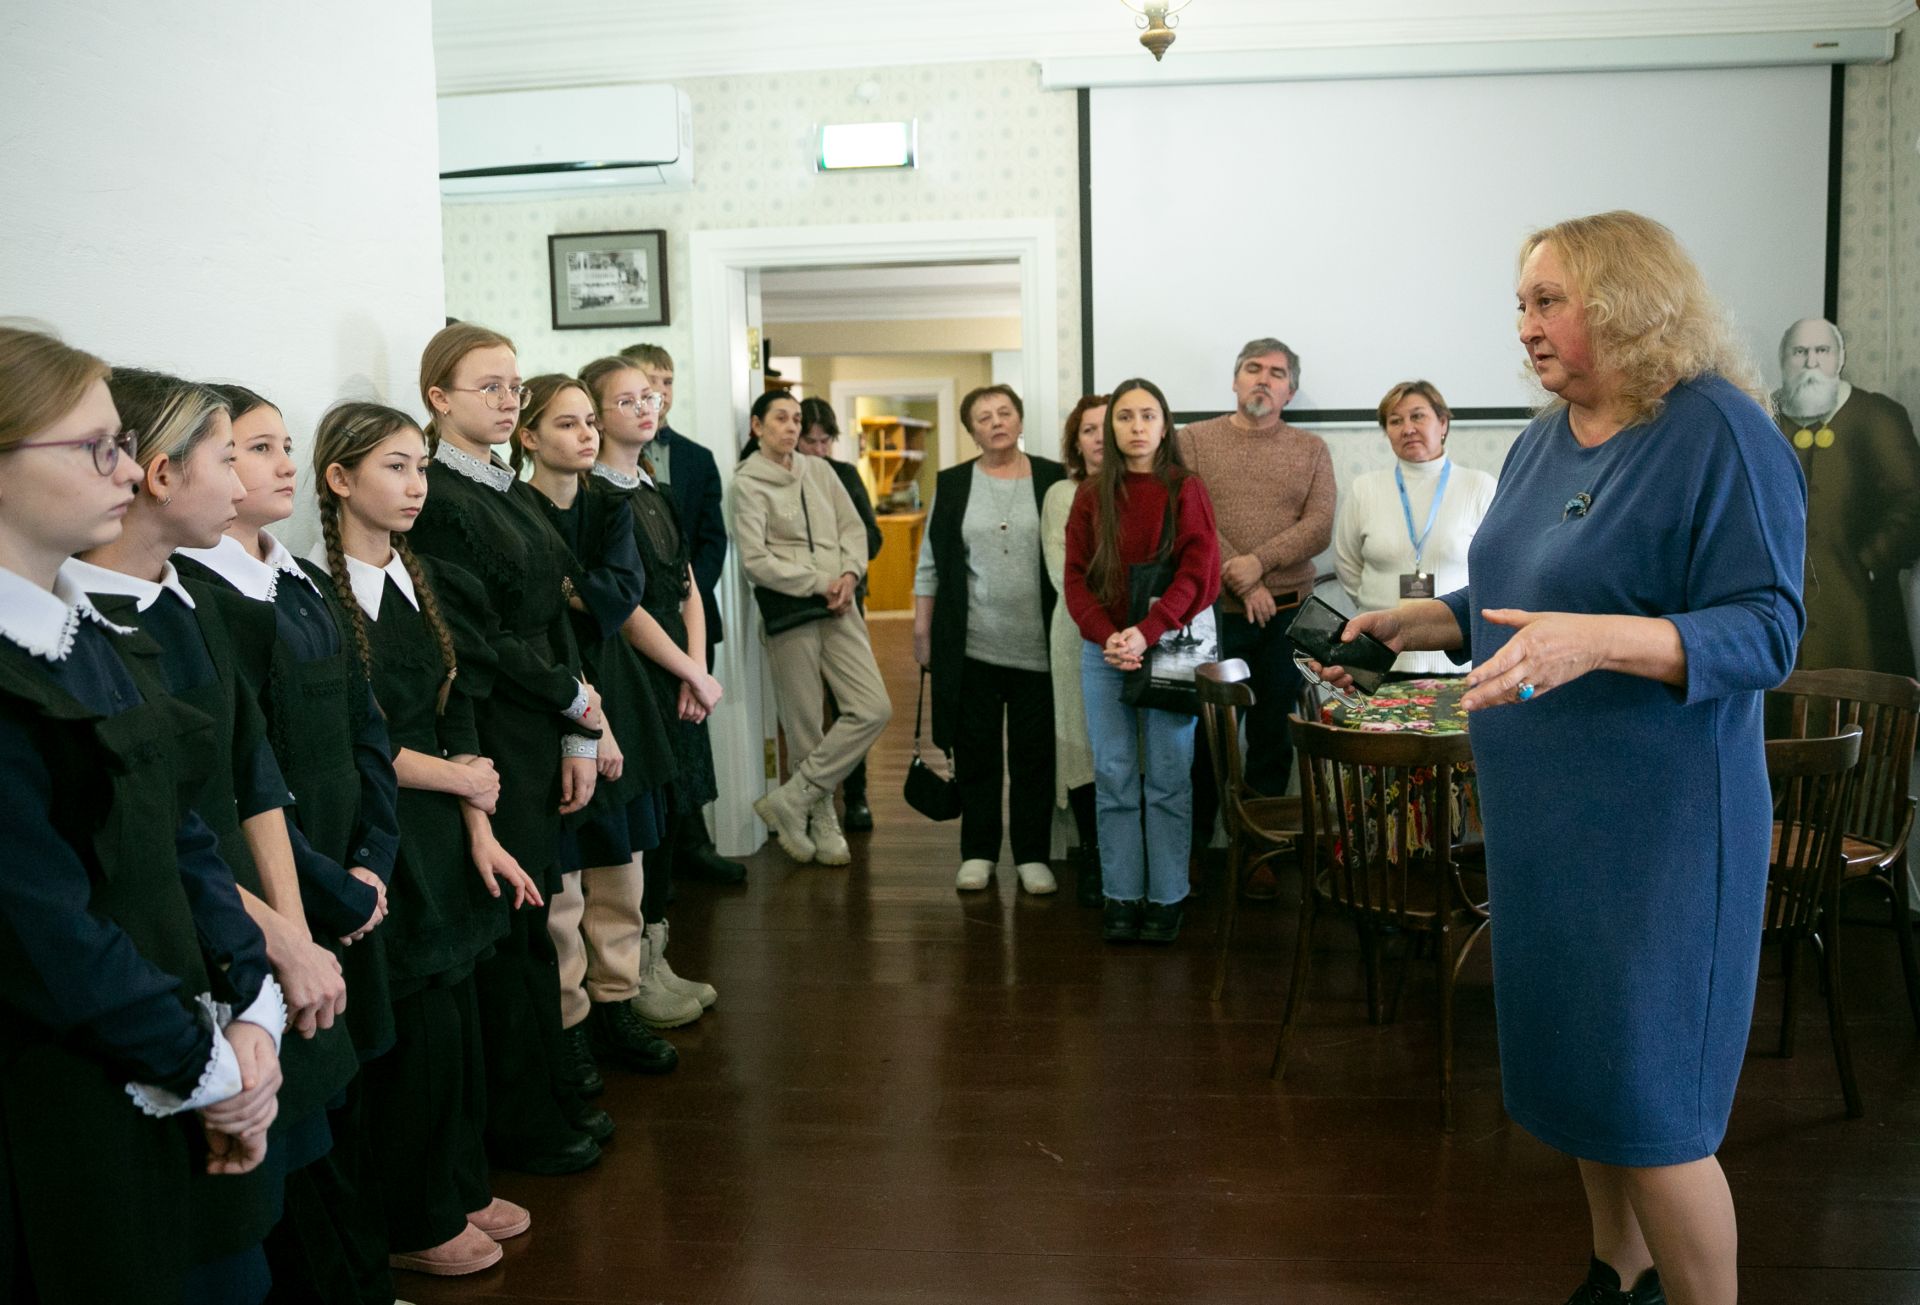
(1403, 532)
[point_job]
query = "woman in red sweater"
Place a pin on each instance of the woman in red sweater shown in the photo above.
(1141, 508)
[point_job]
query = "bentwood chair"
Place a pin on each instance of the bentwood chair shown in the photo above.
(1378, 847)
(1813, 785)
(1258, 828)
(1877, 828)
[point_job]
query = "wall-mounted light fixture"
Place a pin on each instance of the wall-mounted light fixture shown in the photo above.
(1157, 22)
(851, 146)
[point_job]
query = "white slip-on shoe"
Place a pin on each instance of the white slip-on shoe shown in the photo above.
(1037, 877)
(974, 875)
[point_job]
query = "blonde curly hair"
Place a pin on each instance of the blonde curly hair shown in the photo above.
(1651, 315)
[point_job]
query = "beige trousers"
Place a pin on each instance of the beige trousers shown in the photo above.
(834, 654)
(594, 921)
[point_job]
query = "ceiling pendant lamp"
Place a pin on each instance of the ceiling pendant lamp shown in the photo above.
(1157, 22)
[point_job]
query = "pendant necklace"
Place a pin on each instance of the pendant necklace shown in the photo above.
(1004, 503)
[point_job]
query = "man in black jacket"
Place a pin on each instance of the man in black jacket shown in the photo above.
(687, 471)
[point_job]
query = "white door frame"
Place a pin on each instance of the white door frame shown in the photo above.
(740, 750)
(939, 389)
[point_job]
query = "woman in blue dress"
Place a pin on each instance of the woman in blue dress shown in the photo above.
(1633, 592)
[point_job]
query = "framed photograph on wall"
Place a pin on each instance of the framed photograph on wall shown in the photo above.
(608, 278)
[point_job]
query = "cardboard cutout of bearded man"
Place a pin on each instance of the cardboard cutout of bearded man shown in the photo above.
(1863, 504)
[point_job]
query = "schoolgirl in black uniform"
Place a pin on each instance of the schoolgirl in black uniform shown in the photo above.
(453, 884)
(540, 725)
(331, 743)
(597, 924)
(669, 631)
(129, 1086)
(184, 499)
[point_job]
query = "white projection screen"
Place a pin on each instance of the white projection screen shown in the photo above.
(1372, 225)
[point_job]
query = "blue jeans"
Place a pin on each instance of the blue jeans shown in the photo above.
(1134, 864)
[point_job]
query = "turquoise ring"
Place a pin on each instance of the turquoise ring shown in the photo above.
(1526, 691)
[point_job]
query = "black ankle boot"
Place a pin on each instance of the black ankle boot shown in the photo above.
(1121, 920)
(1602, 1287)
(577, 1069)
(621, 1038)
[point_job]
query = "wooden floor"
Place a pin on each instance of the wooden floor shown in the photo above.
(905, 1095)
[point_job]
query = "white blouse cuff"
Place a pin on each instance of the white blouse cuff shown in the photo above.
(269, 1011)
(576, 745)
(218, 1081)
(578, 711)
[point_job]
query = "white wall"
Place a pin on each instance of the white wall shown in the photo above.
(248, 194)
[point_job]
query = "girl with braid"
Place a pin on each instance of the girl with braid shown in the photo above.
(425, 1098)
(331, 743)
(610, 989)
(541, 724)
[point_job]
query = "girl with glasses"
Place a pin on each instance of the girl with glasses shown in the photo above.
(541, 725)
(138, 1004)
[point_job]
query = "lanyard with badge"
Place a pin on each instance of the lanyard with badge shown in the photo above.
(1420, 583)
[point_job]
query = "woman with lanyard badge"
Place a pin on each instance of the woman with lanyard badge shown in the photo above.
(1403, 534)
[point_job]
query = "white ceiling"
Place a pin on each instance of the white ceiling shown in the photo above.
(891, 294)
(490, 45)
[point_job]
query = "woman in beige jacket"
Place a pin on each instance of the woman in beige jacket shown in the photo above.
(803, 548)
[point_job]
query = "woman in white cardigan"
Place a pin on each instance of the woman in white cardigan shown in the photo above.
(1403, 532)
(1081, 449)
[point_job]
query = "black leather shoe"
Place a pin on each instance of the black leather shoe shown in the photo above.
(859, 816)
(1120, 921)
(577, 1069)
(621, 1037)
(594, 1122)
(705, 863)
(1161, 922)
(1086, 887)
(570, 1157)
(1602, 1287)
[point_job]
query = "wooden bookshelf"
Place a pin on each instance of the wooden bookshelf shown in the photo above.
(893, 447)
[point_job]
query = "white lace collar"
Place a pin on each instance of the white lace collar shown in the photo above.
(488, 473)
(230, 560)
(369, 581)
(43, 622)
(98, 580)
(621, 478)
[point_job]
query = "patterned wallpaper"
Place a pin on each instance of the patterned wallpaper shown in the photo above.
(993, 146)
(997, 146)
(1880, 223)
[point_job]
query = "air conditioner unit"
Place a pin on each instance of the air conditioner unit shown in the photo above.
(524, 144)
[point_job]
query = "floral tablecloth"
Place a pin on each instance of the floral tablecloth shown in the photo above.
(1426, 706)
(1429, 706)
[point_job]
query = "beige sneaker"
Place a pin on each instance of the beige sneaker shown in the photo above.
(1036, 877)
(974, 875)
(823, 827)
(703, 993)
(785, 812)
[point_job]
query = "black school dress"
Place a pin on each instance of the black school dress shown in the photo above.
(332, 746)
(204, 635)
(479, 518)
(627, 815)
(427, 1098)
(664, 558)
(107, 951)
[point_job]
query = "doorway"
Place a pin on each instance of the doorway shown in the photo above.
(728, 365)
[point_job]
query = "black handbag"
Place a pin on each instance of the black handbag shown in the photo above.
(1165, 679)
(782, 612)
(933, 797)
